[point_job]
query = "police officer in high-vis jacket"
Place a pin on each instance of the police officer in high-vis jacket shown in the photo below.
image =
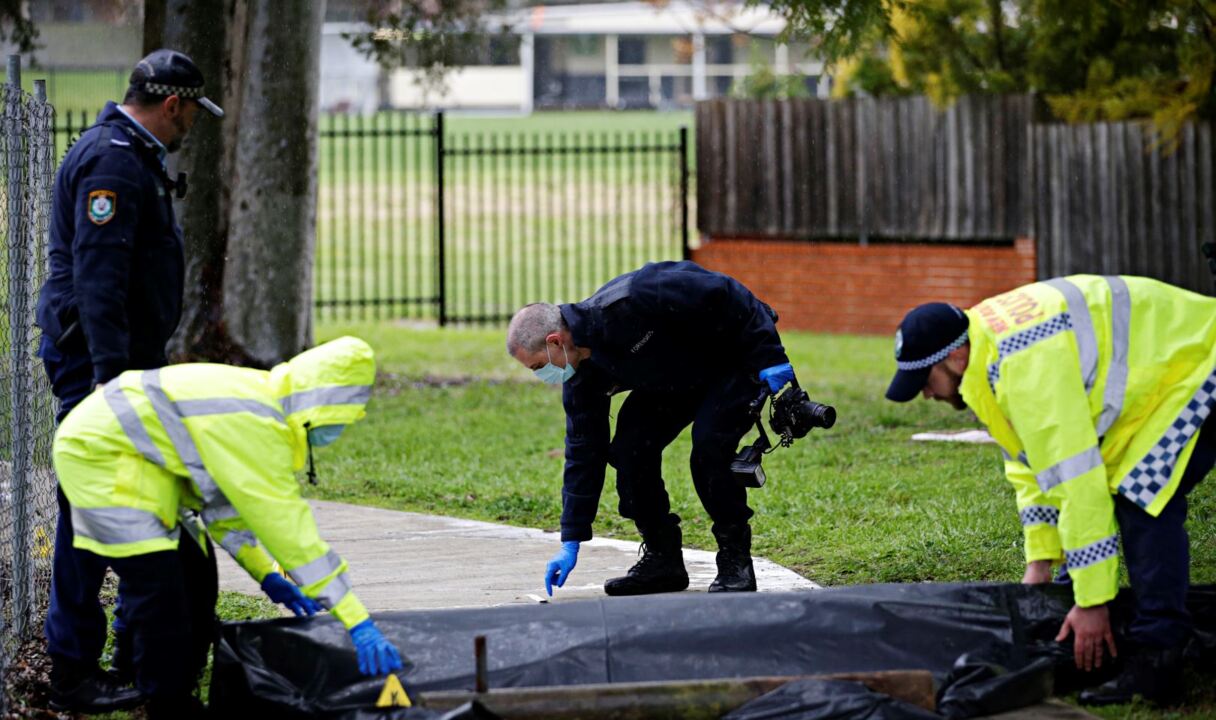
(112, 299)
(693, 347)
(1099, 390)
(224, 442)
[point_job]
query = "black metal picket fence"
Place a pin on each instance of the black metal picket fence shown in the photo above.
(415, 221)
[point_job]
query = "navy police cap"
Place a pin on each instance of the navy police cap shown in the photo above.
(168, 72)
(925, 337)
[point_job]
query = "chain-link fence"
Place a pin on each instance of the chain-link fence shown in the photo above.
(27, 483)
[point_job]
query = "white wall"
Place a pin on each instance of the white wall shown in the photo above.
(470, 87)
(348, 78)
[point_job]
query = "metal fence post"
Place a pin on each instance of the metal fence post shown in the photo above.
(684, 192)
(18, 313)
(441, 281)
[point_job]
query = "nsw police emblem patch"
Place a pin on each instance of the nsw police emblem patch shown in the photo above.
(899, 343)
(102, 204)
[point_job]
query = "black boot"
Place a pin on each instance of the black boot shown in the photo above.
(735, 572)
(82, 688)
(661, 568)
(1152, 673)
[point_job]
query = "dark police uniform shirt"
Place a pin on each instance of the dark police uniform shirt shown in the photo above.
(117, 266)
(670, 327)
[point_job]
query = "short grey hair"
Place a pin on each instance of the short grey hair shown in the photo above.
(531, 325)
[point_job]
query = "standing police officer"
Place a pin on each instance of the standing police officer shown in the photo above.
(113, 298)
(693, 346)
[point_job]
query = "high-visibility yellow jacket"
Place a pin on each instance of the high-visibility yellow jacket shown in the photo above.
(1093, 386)
(222, 441)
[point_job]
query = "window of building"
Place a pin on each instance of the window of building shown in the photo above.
(631, 50)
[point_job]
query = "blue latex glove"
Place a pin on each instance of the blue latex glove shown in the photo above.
(278, 589)
(377, 656)
(560, 566)
(777, 376)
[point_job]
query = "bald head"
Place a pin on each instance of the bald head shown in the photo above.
(531, 325)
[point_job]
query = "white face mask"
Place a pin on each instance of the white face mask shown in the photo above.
(552, 374)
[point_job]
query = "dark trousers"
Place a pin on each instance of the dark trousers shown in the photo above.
(649, 421)
(1158, 554)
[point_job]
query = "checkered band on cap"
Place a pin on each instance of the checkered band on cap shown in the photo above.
(1153, 472)
(1039, 515)
(160, 89)
(933, 359)
(1092, 553)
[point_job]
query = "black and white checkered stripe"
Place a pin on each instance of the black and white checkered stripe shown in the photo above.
(1024, 339)
(933, 359)
(186, 92)
(1039, 515)
(1153, 472)
(1092, 553)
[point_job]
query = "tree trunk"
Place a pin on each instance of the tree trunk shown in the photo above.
(267, 296)
(248, 298)
(211, 32)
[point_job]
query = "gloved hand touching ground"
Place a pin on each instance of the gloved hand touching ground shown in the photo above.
(777, 376)
(376, 654)
(560, 566)
(280, 590)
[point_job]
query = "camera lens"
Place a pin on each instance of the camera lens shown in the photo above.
(823, 416)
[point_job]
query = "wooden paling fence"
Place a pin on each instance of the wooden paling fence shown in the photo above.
(1103, 197)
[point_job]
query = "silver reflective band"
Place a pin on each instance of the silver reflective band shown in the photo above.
(1039, 515)
(335, 395)
(234, 540)
(1023, 339)
(935, 358)
(334, 591)
(316, 570)
(187, 451)
(1083, 329)
(1070, 468)
(223, 406)
(130, 422)
(1116, 375)
(219, 512)
(1092, 553)
(120, 525)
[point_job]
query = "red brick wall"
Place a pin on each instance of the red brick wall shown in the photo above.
(844, 287)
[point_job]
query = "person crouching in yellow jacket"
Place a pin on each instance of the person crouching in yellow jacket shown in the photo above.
(213, 449)
(1097, 389)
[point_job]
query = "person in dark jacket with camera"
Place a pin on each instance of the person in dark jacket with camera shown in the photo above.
(693, 347)
(111, 301)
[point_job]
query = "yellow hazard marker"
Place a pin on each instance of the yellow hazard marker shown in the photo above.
(42, 543)
(393, 694)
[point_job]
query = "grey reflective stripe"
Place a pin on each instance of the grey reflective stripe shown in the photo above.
(334, 395)
(218, 512)
(1039, 515)
(334, 591)
(119, 525)
(221, 406)
(237, 539)
(1116, 375)
(1069, 468)
(1021, 340)
(1020, 458)
(316, 570)
(130, 422)
(1083, 329)
(1092, 553)
(187, 451)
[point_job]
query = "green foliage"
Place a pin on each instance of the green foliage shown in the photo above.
(1093, 59)
(763, 83)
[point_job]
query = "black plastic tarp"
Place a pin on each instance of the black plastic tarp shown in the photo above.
(307, 666)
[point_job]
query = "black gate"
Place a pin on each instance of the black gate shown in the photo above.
(418, 222)
(414, 221)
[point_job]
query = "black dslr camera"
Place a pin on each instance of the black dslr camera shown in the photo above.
(792, 415)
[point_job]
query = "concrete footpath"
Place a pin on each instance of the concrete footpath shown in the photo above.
(405, 561)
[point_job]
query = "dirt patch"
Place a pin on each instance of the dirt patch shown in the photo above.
(393, 383)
